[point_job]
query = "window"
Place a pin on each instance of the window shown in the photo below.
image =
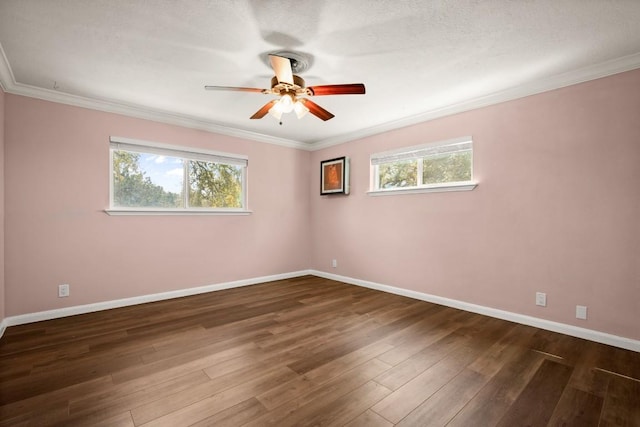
(156, 178)
(441, 166)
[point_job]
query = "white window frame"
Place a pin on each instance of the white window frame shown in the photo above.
(185, 153)
(417, 152)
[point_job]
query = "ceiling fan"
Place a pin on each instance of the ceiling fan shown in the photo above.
(291, 88)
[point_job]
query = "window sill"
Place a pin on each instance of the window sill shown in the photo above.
(175, 212)
(466, 186)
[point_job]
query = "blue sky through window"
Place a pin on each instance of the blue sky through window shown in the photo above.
(165, 171)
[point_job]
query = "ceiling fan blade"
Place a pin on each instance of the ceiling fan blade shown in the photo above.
(264, 110)
(346, 89)
(316, 110)
(237, 89)
(282, 67)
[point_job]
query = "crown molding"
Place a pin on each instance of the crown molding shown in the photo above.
(6, 75)
(592, 72)
(147, 114)
(604, 69)
(10, 85)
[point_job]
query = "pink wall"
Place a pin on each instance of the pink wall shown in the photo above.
(2, 309)
(57, 185)
(557, 210)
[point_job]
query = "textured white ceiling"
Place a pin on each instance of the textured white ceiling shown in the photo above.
(418, 59)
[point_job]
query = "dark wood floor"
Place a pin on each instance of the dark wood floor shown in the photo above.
(308, 351)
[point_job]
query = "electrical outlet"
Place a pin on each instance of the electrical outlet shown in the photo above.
(334, 263)
(581, 312)
(541, 299)
(63, 290)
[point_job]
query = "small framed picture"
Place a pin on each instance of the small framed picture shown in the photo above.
(334, 176)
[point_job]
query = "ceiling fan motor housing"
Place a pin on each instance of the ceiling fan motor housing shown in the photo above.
(282, 88)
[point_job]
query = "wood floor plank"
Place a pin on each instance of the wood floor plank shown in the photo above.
(369, 419)
(348, 361)
(229, 366)
(444, 404)
(186, 362)
(407, 370)
(106, 418)
(317, 398)
(307, 350)
(338, 347)
(118, 398)
(234, 416)
(210, 340)
(312, 379)
(577, 408)
(407, 398)
(620, 361)
(46, 415)
(207, 390)
(346, 408)
(44, 382)
(490, 404)
(511, 344)
(431, 329)
(441, 407)
(296, 336)
(17, 370)
(536, 403)
(309, 310)
(621, 406)
(121, 420)
(342, 346)
(585, 376)
(217, 403)
(50, 402)
(225, 373)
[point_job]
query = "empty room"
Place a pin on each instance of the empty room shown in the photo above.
(292, 213)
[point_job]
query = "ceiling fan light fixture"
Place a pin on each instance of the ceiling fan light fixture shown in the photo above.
(276, 110)
(286, 103)
(300, 109)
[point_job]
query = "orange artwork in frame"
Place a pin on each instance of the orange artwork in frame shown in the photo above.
(334, 176)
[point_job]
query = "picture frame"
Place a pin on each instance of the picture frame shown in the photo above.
(334, 176)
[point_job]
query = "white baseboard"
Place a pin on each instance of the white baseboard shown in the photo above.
(107, 305)
(562, 328)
